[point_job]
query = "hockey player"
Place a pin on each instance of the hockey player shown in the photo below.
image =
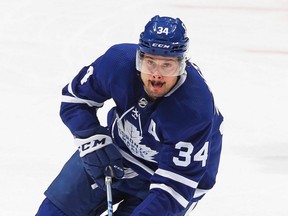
(163, 138)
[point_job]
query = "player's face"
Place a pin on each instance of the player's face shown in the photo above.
(155, 83)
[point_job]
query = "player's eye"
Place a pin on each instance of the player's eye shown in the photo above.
(150, 63)
(167, 65)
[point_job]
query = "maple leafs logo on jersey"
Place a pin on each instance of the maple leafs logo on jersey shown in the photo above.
(131, 136)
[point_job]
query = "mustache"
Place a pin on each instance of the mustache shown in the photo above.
(154, 82)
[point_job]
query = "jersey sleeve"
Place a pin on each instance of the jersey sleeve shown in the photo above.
(80, 100)
(90, 88)
(104, 79)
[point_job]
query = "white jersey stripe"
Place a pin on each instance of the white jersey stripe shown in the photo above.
(200, 192)
(136, 162)
(177, 177)
(70, 99)
(75, 99)
(173, 193)
(70, 89)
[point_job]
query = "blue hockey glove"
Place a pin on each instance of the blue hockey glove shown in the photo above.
(98, 153)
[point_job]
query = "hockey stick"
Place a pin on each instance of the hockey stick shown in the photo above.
(108, 182)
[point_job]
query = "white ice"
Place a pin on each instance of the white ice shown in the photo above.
(241, 47)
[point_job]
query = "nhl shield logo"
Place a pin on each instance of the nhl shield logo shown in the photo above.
(142, 102)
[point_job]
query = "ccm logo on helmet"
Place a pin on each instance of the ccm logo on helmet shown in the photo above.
(160, 45)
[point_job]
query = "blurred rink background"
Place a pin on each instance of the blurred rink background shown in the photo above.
(240, 46)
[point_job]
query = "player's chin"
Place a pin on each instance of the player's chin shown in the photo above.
(157, 93)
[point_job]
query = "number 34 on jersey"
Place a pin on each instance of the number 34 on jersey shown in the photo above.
(185, 154)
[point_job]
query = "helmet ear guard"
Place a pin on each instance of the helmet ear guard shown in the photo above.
(164, 36)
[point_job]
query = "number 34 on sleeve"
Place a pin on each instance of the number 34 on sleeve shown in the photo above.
(185, 154)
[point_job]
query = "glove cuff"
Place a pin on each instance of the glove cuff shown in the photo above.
(93, 143)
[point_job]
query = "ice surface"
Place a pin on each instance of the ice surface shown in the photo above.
(241, 47)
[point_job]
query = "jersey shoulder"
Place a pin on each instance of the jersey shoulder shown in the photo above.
(197, 91)
(115, 62)
(120, 54)
(115, 73)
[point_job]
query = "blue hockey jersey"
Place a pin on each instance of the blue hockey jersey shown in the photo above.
(174, 141)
